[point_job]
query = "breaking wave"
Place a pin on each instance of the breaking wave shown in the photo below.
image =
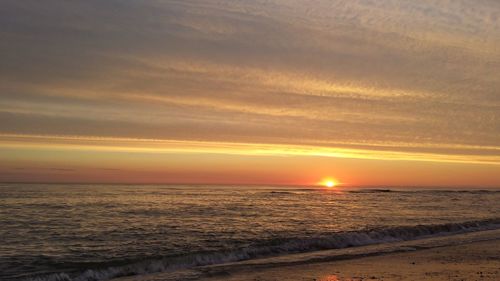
(275, 247)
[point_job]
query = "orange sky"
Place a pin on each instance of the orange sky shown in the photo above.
(63, 159)
(382, 93)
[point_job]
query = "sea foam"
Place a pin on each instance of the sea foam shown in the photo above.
(278, 247)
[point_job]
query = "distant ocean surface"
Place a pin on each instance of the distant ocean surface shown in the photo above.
(100, 232)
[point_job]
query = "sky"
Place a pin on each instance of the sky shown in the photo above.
(368, 93)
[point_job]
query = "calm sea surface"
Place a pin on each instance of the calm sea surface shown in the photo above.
(98, 232)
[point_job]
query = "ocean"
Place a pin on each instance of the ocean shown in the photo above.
(100, 232)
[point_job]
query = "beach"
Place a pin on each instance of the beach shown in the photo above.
(471, 256)
(473, 261)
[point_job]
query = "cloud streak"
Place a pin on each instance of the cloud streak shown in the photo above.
(468, 154)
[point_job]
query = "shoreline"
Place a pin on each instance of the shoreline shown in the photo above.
(453, 257)
(471, 261)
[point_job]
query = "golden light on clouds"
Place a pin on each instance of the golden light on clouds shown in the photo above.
(184, 146)
(347, 81)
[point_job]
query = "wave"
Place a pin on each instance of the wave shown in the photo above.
(477, 191)
(373, 190)
(276, 247)
(385, 190)
(283, 192)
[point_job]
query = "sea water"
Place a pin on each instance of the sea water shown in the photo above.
(100, 232)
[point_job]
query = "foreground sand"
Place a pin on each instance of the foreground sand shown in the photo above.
(470, 256)
(473, 261)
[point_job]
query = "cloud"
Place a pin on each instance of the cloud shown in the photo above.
(399, 72)
(410, 152)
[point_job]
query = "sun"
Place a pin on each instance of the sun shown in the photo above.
(328, 182)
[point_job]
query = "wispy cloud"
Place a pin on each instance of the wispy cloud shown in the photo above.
(455, 154)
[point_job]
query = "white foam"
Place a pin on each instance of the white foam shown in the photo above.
(279, 247)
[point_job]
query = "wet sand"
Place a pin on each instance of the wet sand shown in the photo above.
(473, 261)
(469, 256)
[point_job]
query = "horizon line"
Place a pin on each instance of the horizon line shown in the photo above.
(257, 184)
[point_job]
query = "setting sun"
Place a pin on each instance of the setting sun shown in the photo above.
(328, 183)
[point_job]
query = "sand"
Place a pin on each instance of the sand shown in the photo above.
(473, 261)
(470, 256)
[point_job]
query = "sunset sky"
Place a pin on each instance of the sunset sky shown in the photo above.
(369, 93)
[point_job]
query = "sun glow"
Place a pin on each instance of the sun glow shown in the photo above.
(328, 182)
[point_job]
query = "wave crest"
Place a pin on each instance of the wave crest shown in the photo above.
(276, 247)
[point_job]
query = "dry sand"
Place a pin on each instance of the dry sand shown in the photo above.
(473, 261)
